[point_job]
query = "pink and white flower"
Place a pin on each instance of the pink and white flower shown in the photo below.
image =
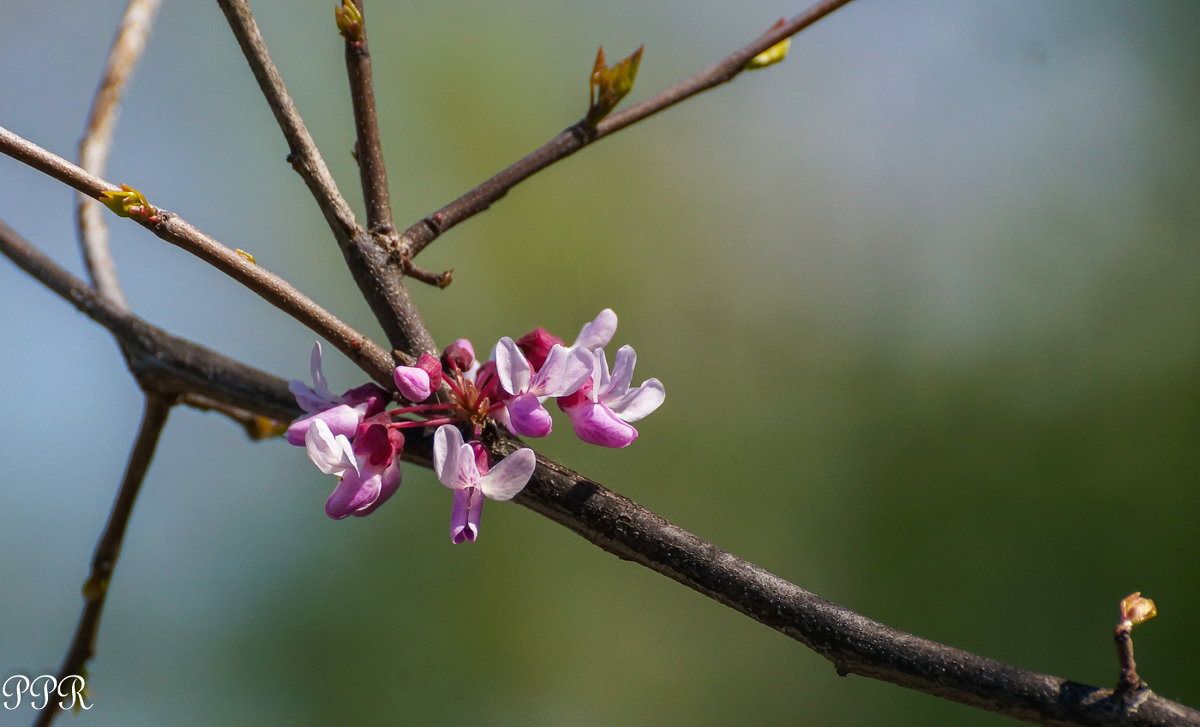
(463, 467)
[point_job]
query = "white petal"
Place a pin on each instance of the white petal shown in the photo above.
(512, 368)
(314, 366)
(563, 372)
(622, 373)
(598, 333)
(639, 402)
(446, 442)
(509, 476)
(333, 455)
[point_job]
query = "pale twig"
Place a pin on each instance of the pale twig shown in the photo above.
(422, 233)
(127, 48)
(372, 359)
(108, 549)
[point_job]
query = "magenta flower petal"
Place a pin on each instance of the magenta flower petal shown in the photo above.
(596, 424)
(389, 483)
(412, 382)
(527, 417)
(354, 492)
(464, 516)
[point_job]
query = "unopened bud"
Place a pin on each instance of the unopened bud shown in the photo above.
(1136, 610)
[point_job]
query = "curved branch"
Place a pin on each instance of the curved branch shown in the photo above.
(417, 237)
(127, 48)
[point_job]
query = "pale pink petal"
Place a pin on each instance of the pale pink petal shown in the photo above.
(563, 373)
(598, 333)
(509, 476)
(447, 441)
(512, 368)
(637, 403)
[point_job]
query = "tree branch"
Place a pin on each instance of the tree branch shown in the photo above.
(108, 550)
(368, 148)
(162, 363)
(418, 236)
(853, 643)
(97, 139)
(375, 267)
(372, 359)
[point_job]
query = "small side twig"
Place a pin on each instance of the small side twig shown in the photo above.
(1134, 610)
(108, 550)
(418, 236)
(127, 48)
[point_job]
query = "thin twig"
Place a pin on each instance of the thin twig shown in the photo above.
(372, 359)
(368, 148)
(127, 48)
(375, 267)
(304, 155)
(418, 236)
(108, 550)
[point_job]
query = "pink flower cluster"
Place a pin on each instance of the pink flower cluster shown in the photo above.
(357, 439)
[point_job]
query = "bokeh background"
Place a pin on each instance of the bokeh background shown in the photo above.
(924, 298)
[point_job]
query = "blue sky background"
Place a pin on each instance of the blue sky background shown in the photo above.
(923, 298)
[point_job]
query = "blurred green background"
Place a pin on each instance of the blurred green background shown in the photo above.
(924, 298)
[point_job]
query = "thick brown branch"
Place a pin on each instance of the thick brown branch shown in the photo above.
(161, 362)
(108, 550)
(417, 237)
(853, 643)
